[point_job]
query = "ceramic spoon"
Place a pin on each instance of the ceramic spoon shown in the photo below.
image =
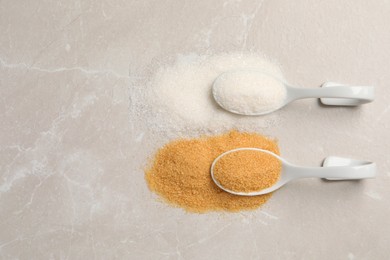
(334, 168)
(332, 94)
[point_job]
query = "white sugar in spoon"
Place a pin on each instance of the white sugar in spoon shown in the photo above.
(334, 168)
(250, 92)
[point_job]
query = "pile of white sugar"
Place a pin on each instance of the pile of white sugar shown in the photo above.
(177, 99)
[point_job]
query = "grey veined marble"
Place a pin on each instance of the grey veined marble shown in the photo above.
(71, 158)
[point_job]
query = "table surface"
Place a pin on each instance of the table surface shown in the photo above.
(71, 158)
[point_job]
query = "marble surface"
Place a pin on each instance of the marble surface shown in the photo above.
(71, 158)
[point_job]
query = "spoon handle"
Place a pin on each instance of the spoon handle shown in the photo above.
(337, 168)
(335, 94)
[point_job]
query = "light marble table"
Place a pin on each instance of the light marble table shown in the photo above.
(71, 179)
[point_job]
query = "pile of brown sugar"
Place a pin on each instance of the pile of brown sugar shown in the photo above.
(247, 170)
(180, 173)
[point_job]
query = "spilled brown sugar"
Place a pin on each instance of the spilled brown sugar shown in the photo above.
(180, 173)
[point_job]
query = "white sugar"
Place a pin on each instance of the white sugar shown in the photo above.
(249, 92)
(177, 100)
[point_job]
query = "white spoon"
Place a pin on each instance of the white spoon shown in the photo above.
(334, 168)
(251, 92)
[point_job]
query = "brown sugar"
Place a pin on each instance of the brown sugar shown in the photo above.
(247, 170)
(180, 172)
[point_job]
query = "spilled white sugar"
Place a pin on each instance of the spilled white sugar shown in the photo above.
(177, 100)
(249, 92)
